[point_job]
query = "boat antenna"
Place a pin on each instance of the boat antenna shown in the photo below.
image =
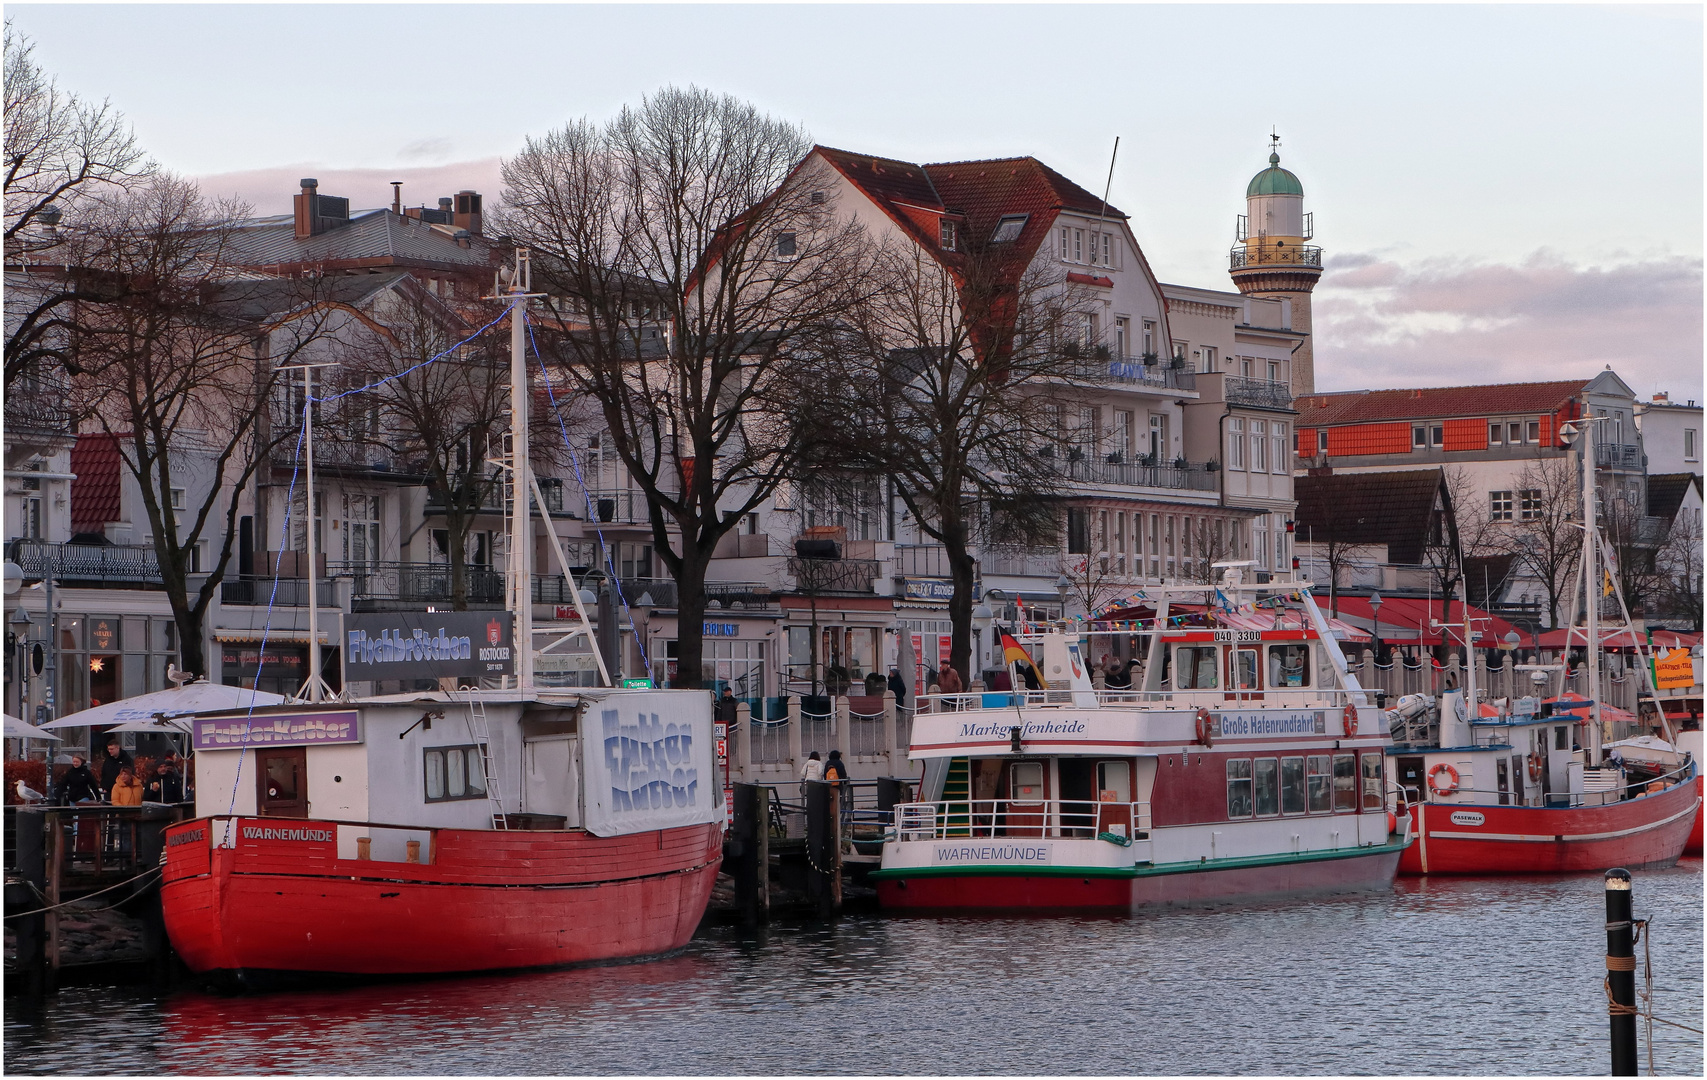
(314, 687)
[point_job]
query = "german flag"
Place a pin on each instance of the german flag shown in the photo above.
(1014, 653)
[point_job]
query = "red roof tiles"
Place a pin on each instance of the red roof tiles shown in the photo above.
(1365, 406)
(95, 496)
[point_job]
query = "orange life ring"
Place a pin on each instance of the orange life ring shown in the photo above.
(1205, 728)
(1535, 765)
(1434, 783)
(1350, 720)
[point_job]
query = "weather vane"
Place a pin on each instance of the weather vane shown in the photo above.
(1274, 140)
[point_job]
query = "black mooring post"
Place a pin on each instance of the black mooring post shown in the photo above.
(31, 928)
(820, 847)
(749, 852)
(1621, 972)
(888, 794)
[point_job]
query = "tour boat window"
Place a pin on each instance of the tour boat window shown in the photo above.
(1025, 780)
(1114, 781)
(1502, 779)
(1239, 788)
(1374, 792)
(1292, 785)
(1560, 740)
(1196, 667)
(1245, 670)
(453, 772)
(1321, 795)
(1289, 665)
(1267, 786)
(1345, 782)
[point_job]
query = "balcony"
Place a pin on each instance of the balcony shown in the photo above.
(1617, 456)
(1134, 371)
(826, 576)
(1243, 258)
(1021, 562)
(285, 593)
(376, 584)
(38, 407)
(614, 506)
(104, 564)
(921, 560)
(1113, 469)
(1256, 393)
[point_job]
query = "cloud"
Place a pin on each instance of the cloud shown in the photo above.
(269, 190)
(1382, 322)
(425, 150)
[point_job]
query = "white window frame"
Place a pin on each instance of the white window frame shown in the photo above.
(1259, 446)
(1500, 504)
(1278, 463)
(1691, 444)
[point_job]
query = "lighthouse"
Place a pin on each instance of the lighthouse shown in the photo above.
(1272, 257)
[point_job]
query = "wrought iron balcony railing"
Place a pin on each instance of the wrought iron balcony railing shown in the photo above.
(1115, 469)
(1259, 393)
(1242, 258)
(106, 563)
(1158, 372)
(1617, 456)
(285, 592)
(834, 575)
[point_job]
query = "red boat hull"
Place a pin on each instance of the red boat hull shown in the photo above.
(1645, 832)
(481, 901)
(1239, 879)
(1692, 846)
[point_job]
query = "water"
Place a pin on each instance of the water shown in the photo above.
(1435, 976)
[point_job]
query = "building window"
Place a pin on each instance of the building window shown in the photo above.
(1107, 249)
(785, 245)
(1322, 441)
(453, 772)
(1436, 434)
(1208, 358)
(1235, 443)
(1321, 793)
(1495, 433)
(1078, 245)
(1529, 504)
(1419, 437)
(1245, 363)
(1345, 782)
(1278, 460)
(1535, 431)
(1689, 451)
(1259, 541)
(947, 235)
(1078, 532)
(1292, 785)
(32, 519)
(1259, 446)
(1266, 786)
(1122, 335)
(1239, 788)
(1499, 506)
(1274, 371)
(1008, 229)
(1514, 433)
(1066, 244)
(1149, 337)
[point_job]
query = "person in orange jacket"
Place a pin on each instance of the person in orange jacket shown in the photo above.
(127, 789)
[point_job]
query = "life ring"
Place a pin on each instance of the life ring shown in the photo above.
(1451, 783)
(1535, 765)
(1205, 728)
(1350, 721)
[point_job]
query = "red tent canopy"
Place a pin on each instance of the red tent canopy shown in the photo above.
(1620, 639)
(1410, 619)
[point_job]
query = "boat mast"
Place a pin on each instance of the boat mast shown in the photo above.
(521, 520)
(314, 687)
(1591, 564)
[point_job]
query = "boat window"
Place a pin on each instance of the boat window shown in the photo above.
(453, 772)
(1560, 741)
(1025, 779)
(1245, 670)
(1289, 665)
(1292, 785)
(1196, 668)
(1267, 786)
(1502, 779)
(1321, 794)
(1345, 782)
(1239, 787)
(1374, 792)
(1114, 781)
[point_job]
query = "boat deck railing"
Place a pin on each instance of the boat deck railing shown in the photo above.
(1604, 785)
(1166, 699)
(1058, 818)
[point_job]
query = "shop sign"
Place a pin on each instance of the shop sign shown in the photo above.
(318, 728)
(248, 660)
(102, 635)
(428, 645)
(1673, 670)
(562, 612)
(721, 629)
(929, 589)
(637, 684)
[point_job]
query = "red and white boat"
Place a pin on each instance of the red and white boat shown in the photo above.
(1250, 764)
(369, 840)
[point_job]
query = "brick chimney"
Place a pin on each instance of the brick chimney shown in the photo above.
(468, 215)
(307, 221)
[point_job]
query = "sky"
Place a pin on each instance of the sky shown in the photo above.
(1502, 193)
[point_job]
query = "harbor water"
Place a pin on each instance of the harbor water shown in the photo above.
(1488, 976)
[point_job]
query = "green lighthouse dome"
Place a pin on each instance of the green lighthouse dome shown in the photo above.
(1274, 180)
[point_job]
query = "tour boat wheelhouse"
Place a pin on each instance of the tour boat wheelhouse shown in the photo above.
(1249, 764)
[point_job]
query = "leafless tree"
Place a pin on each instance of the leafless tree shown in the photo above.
(1444, 550)
(1678, 561)
(696, 275)
(177, 363)
(1550, 541)
(947, 368)
(62, 154)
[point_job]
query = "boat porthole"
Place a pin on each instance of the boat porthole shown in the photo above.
(337, 779)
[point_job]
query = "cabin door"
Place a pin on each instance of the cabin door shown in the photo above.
(552, 774)
(281, 781)
(1078, 796)
(1114, 797)
(1244, 675)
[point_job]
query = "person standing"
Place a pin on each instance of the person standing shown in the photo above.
(78, 784)
(117, 758)
(127, 789)
(166, 787)
(898, 687)
(948, 682)
(810, 769)
(836, 772)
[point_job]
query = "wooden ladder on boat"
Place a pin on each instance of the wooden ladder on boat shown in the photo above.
(478, 727)
(956, 797)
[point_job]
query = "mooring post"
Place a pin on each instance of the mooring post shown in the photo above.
(820, 845)
(888, 794)
(749, 849)
(838, 792)
(31, 928)
(1621, 972)
(55, 838)
(150, 842)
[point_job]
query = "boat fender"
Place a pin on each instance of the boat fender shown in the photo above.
(1392, 823)
(1440, 786)
(1535, 764)
(1350, 720)
(1205, 728)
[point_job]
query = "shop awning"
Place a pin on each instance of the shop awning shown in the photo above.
(274, 636)
(1409, 620)
(1622, 638)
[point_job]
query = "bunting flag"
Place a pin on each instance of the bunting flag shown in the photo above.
(1606, 586)
(1014, 653)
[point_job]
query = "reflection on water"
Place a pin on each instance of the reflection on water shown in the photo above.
(1440, 976)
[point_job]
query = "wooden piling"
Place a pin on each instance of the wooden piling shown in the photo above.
(823, 849)
(31, 927)
(1621, 972)
(749, 849)
(55, 837)
(888, 795)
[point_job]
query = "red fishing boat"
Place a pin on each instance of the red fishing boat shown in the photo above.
(1249, 764)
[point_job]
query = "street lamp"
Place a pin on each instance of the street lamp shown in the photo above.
(1062, 584)
(1375, 603)
(981, 618)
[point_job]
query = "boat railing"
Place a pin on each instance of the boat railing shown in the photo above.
(1610, 782)
(1179, 699)
(1061, 818)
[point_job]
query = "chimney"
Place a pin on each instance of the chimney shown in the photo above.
(1662, 398)
(468, 215)
(397, 197)
(307, 221)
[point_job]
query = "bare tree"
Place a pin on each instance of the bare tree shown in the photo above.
(695, 274)
(1444, 550)
(1679, 564)
(1550, 541)
(62, 153)
(1635, 541)
(946, 372)
(177, 364)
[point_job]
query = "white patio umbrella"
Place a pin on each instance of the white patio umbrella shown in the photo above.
(19, 729)
(197, 697)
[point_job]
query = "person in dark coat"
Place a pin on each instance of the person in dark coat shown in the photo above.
(166, 787)
(117, 758)
(78, 784)
(898, 687)
(727, 707)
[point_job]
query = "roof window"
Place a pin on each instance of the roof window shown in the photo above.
(947, 237)
(1008, 229)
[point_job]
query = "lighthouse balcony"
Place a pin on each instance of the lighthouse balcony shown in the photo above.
(1241, 257)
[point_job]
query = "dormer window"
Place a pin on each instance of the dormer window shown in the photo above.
(1008, 228)
(947, 240)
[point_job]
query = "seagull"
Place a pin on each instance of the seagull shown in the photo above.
(178, 678)
(29, 794)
